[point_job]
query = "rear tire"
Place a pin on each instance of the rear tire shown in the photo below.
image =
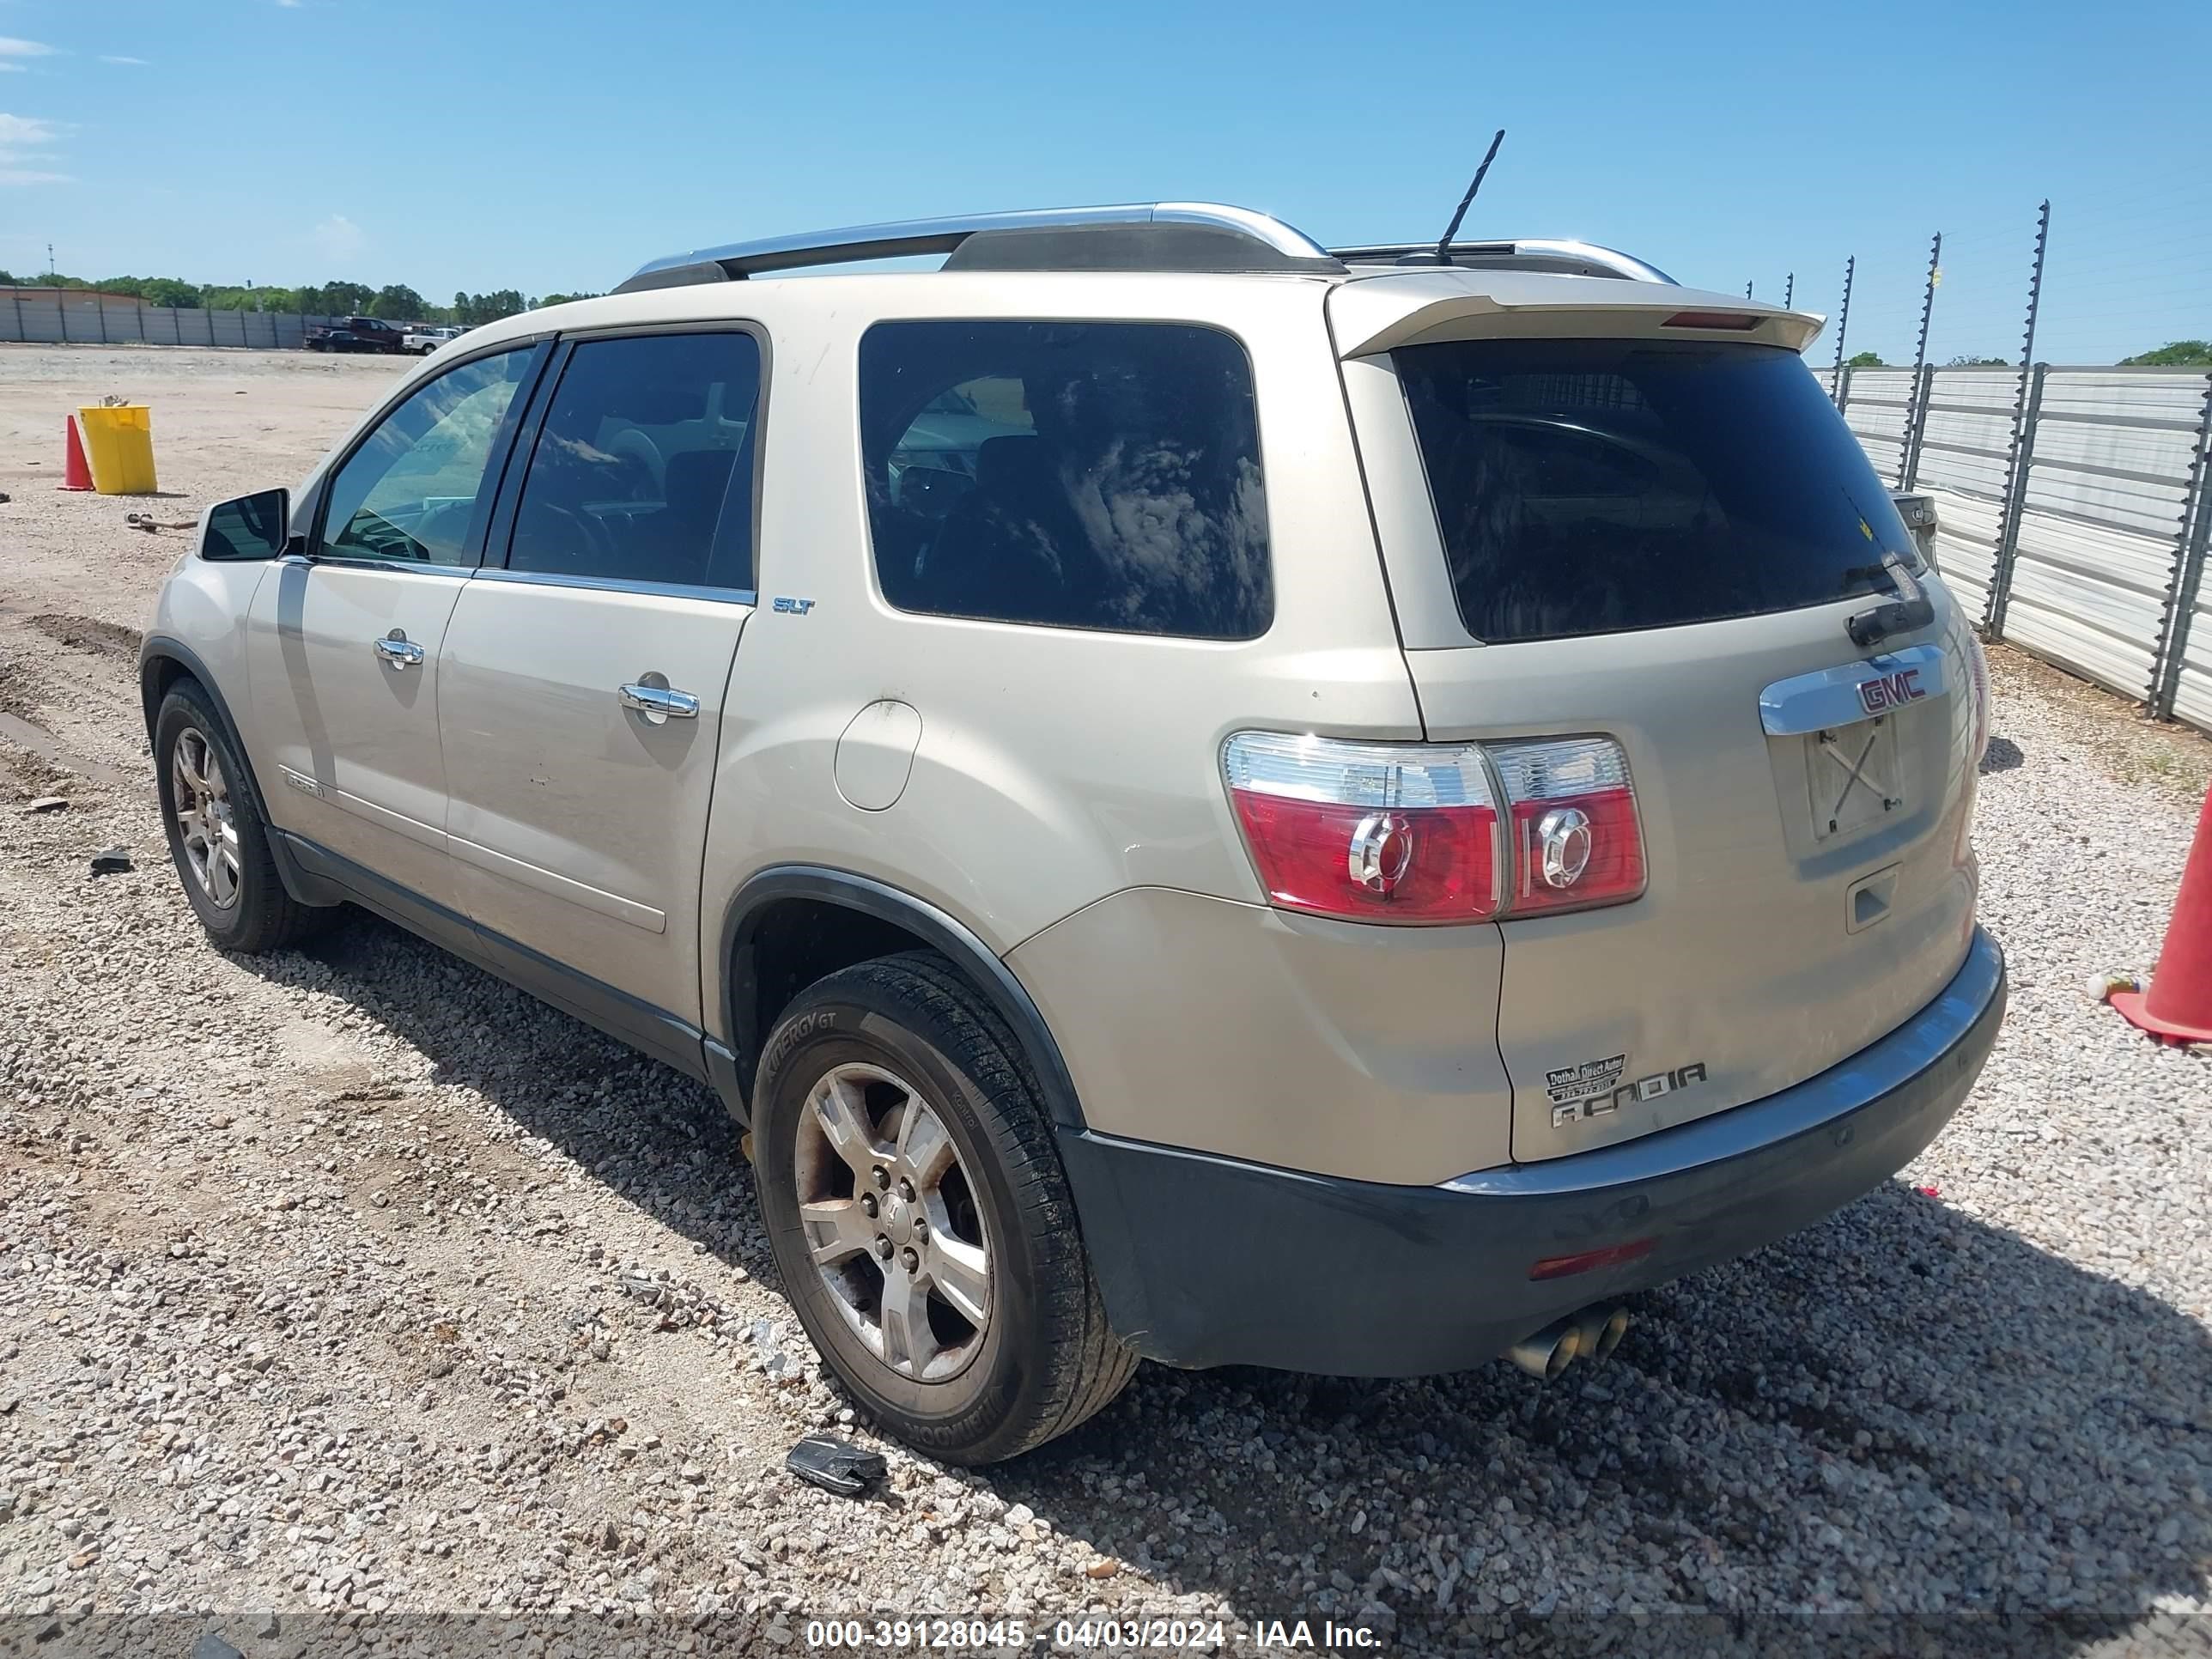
(906, 1051)
(218, 838)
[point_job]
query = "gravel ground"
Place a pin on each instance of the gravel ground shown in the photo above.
(350, 1296)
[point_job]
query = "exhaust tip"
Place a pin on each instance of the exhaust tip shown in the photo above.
(1601, 1330)
(1550, 1351)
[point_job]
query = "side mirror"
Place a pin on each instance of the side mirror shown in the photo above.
(250, 527)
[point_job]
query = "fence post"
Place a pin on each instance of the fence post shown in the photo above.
(1843, 326)
(61, 309)
(1924, 392)
(2016, 507)
(1843, 389)
(2181, 589)
(19, 315)
(1915, 411)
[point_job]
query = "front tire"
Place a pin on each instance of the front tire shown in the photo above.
(218, 839)
(921, 1218)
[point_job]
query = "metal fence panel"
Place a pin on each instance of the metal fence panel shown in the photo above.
(2089, 597)
(1966, 528)
(2192, 693)
(76, 317)
(1968, 433)
(1876, 406)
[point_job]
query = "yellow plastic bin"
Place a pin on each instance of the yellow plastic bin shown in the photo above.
(119, 441)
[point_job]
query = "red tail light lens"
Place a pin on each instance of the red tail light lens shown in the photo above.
(1368, 832)
(1575, 840)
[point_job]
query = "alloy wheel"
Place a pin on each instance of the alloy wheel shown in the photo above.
(200, 798)
(890, 1222)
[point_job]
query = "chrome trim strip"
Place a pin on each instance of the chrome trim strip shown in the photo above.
(384, 817)
(1891, 1064)
(580, 894)
(745, 596)
(913, 236)
(1830, 697)
(1504, 254)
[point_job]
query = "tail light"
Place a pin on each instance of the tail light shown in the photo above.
(1576, 843)
(1977, 674)
(1368, 831)
(1411, 833)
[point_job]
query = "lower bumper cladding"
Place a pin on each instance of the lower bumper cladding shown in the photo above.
(1205, 1261)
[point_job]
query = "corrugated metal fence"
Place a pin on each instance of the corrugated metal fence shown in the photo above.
(2075, 505)
(70, 316)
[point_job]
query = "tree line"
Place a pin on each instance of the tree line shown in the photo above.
(395, 302)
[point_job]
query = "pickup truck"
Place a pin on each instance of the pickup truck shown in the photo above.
(355, 334)
(424, 341)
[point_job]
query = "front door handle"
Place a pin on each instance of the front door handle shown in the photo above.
(398, 651)
(658, 703)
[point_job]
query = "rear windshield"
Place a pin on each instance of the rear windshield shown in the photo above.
(1595, 486)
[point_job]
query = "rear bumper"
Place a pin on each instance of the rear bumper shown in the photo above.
(1206, 1261)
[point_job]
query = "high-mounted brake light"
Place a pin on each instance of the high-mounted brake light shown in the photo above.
(1574, 837)
(1732, 320)
(1367, 831)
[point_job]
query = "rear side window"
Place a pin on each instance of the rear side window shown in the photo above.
(1073, 475)
(1596, 486)
(643, 470)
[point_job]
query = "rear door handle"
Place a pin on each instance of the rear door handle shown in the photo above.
(658, 703)
(398, 651)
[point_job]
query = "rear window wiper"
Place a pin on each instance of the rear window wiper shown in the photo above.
(1911, 609)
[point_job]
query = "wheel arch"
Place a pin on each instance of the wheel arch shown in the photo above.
(163, 663)
(752, 982)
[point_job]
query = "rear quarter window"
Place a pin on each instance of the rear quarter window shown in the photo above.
(1072, 475)
(1597, 486)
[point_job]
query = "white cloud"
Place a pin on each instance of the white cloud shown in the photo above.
(21, 130)
(12, 47)
(24, 158)
(138, 61)
(338, 239)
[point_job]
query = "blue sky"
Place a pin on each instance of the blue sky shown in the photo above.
(554, 146)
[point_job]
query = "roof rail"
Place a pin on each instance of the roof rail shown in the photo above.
(1138, 236)
(1571, 259)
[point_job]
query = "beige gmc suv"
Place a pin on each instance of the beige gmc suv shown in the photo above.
(1201, 798)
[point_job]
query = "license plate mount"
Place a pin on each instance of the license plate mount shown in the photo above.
(1851, 776)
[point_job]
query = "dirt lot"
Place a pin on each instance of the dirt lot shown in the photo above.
(350, 1296)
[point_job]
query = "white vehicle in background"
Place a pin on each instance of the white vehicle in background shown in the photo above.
(424, 341)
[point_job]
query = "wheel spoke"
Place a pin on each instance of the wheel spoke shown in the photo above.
(837, 1230)
(961, 1273)
(924, 1145)
(188, 760)
(223, 872)
(909, 1344)
(837, 1106)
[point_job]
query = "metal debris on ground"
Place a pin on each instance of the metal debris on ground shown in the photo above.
(47, 804)
(111, 861)
(835, 1465)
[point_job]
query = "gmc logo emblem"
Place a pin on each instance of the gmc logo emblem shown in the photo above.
(1894, 690)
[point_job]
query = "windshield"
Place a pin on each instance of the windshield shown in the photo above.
(1595, 486)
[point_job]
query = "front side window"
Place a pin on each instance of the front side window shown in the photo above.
(1596, 486)
(643, 470)
(1073, 475)
(412, 491)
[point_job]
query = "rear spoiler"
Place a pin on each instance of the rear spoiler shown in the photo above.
(1378, 314)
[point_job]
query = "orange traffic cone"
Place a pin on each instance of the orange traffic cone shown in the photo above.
(77, 475)
(2178, 1007)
